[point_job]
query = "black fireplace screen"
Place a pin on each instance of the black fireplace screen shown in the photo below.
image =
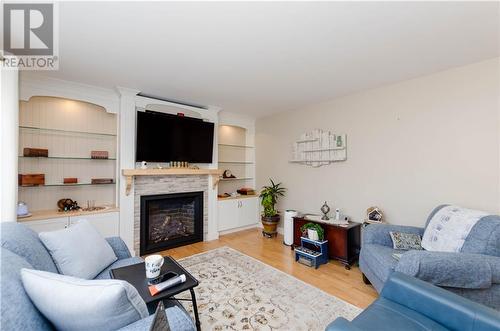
(170, 220)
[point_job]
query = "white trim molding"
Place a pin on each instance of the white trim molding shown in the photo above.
(36, 85)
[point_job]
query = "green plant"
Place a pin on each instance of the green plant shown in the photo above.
(316, 227)
(269, 196)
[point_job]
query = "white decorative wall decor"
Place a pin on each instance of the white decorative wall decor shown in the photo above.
(318, 147)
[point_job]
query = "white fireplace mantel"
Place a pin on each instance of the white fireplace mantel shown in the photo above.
(130, 173)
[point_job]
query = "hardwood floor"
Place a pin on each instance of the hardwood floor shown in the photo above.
(332, 278)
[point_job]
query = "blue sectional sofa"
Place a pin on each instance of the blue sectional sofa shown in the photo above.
(409, 304)
(473, 273)
(21, 248)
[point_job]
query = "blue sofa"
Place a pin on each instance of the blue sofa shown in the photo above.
(473, 273)
(21, 248)
(409, 304)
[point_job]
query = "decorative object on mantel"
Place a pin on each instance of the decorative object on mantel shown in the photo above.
(131, 173)
(31, 179)
(67, 205)
(228, 174)
(318, 147)
(271, 217)
(70, 180)
(144, 165)
(179, 164)
(375, 215)
(99, 155)
(102, 181)
(35, 152)
(325, 209)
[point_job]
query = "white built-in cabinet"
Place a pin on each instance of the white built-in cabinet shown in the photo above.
(238, 213)
(106, 223)
(236, 153)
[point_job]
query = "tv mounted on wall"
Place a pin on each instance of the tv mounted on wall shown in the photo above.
(163, 138)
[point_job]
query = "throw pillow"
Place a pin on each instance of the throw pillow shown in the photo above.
(79, 250)
(405, 241)
(78, 304)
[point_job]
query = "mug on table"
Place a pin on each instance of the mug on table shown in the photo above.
(153, 265)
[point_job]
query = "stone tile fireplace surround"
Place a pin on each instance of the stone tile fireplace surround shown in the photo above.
(152, 185)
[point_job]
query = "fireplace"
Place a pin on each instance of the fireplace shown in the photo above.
(170, 220)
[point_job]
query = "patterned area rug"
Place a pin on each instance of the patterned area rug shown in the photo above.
(238, 292)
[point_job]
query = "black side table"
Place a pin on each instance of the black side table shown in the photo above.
(135, 274)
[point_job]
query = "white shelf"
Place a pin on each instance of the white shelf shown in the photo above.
(236, 162)
(323, 149)
(237, 146)
(232, 179)
(305, 141)
(308, 161)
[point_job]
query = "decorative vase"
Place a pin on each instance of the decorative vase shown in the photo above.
(325, 209)
(312, 234)
(270, 224)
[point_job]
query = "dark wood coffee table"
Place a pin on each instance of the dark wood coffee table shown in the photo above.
(135, 274)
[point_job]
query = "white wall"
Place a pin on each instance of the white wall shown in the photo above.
(9, 134)
(410, 146)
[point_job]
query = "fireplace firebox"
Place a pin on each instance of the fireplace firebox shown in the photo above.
(170, 220)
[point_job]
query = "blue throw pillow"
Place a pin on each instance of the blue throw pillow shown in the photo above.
(75, 304)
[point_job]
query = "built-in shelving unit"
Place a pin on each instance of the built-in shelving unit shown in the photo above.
(236, 154)
(70, 130)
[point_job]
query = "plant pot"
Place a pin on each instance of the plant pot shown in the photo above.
(312, 234)
(270, 224)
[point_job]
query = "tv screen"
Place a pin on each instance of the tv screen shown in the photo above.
(164, 138)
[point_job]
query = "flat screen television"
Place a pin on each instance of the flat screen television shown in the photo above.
(163, 138)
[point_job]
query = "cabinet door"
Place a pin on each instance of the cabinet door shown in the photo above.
(248, 211)
(51, 224)
(106, 223)
(228, 214)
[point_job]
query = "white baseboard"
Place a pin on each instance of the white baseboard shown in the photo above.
(251, 226)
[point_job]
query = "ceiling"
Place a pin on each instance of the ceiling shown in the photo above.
(263, 57)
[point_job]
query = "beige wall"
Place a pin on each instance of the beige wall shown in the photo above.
(410, 146)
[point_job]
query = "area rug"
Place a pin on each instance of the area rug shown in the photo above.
(238, 292)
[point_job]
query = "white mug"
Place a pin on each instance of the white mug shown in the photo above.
(153, 265)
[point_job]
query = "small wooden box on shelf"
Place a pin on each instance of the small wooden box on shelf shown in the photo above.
(31, 179)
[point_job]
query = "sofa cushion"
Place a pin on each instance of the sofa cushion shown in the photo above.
(79, 250)
(23, 241)
(18, 312)
(473, 271)
(79, 304)
(484, 237)
(117, 264)
(178, 320)
(382, 263)
(383, 313)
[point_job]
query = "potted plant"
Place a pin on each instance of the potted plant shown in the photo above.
(270, 217)
(314, 231)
